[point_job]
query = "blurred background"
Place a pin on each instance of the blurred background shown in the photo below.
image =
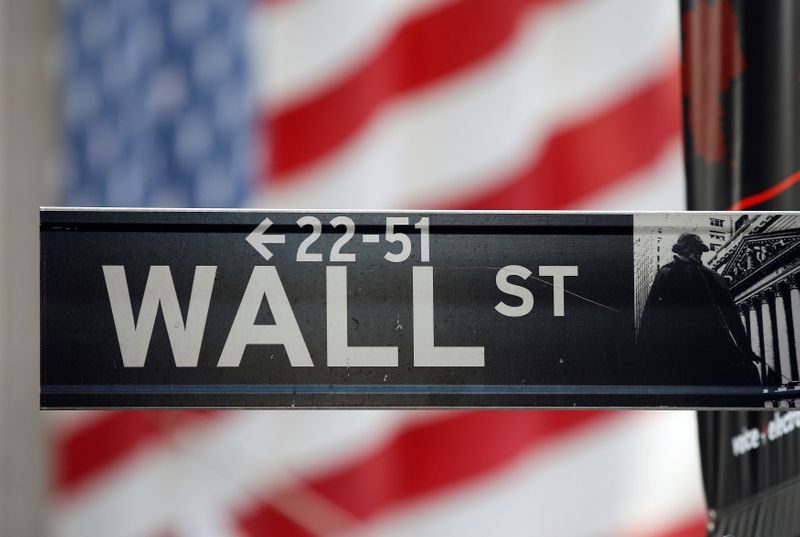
(373, 104)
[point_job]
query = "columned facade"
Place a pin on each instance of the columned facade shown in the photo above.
(762, 265)
(753, 327)
(794, 304)
(772, 320)
(764, 299)
(782, 325)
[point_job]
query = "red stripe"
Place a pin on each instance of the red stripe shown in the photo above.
(766, 195)
(426, 458)
(269, 521)
(423, 50)
(593, 154)
(94, 448)
(696, 527)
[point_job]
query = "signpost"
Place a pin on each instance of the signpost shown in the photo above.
(233, 308)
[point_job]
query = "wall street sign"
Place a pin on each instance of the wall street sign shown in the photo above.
(237, 308)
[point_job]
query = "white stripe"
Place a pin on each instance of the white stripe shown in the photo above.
(302, 46)
(636, 474)
(572, 60)
(212, 472)
(660, 187)
(65, 422)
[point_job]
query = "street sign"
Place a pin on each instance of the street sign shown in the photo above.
(238, 308)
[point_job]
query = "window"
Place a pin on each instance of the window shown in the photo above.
(717, 222)
(740, 222)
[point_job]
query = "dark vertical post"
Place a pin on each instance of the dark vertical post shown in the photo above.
(741, 103)
(741, 110)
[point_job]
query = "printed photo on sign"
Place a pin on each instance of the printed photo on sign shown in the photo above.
(717, 301)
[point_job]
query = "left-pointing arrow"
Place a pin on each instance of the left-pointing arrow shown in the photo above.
(259, 240)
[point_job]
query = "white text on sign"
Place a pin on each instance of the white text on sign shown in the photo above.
(186, 334)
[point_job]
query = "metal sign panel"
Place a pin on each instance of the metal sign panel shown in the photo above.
(205, 308)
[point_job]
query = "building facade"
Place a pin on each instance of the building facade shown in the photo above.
(761, 262)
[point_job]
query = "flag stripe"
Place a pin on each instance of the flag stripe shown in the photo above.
(588, 482)
(97, 446)
(271, 521)
(300, 51)
(695, 527)
(435, 41)
(425, 458)
(464, 135)
(437, 455)
(652, 188)
(232, 460)
(610, 146)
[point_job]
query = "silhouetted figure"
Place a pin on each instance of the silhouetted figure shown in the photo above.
(691, 332)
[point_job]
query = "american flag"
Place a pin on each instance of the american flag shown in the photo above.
(475, 104)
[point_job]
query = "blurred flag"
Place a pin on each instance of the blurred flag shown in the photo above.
(156, 103)
(537, 104)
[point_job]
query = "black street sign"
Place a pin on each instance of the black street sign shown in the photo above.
(235, 308)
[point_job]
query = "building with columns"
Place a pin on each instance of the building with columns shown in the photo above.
(761, 262)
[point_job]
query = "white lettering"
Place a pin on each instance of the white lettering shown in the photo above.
(340, 354)
(558, 273)
(747, 440)
(514, 290)
(426, 354)
(265, 282)
(134, 337)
